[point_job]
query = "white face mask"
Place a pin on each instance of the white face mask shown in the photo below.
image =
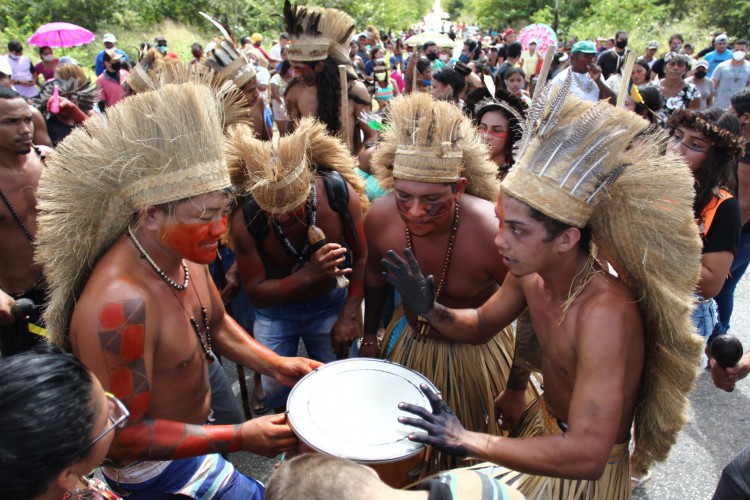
(738, 55)
(380, 76)
(48, 57)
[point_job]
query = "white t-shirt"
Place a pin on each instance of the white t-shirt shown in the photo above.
(729, 79)
(583, 86)
(705, 87)
(275, 52)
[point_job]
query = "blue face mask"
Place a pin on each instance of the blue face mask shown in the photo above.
(162, 48)
(463, 58)
(427, 83)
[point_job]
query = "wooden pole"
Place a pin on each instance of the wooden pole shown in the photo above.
(626, 72)
(542, 78)
(346, 137)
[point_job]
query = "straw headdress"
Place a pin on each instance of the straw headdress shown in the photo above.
(432, 141)
(229, 62)
(156, 147)
(594, 165)
(317, 33)
(278, 177)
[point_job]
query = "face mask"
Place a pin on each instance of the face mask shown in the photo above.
(738, 55)
(48, 57)
(162, 48)
(432, 56)
(380, 76)
(14, 57)
(427, 83)
(621, 44)
(115, 66)
(463, 58)
(700, 75)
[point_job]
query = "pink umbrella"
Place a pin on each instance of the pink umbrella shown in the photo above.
(542, 34)
(60, 35)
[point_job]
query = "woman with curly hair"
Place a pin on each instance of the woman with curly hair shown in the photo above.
(709, 142)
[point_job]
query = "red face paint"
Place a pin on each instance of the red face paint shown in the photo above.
(195, 241)
(431, 210)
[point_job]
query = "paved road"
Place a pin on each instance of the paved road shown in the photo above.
(719, 429)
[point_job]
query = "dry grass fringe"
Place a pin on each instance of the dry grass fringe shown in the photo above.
(439, 137)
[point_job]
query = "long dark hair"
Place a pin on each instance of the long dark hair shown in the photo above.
(46, 419)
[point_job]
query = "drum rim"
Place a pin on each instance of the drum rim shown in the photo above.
(420, 447)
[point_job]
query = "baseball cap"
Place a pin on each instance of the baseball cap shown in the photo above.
(160, 38)
(256, 37)
(584, 46)
(67, 60)
(109, 38)
(509, 31)
(653, 44)
(701, 64)
(722, 38)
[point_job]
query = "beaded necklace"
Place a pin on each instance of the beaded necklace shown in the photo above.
(158, 270)
(302, 257)
(205, 345)
(423, 326)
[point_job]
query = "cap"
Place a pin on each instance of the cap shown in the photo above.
(653, 44)
(509, 31)
(160, 38)
(284, 36)
(5, 66)
(701, 64)
(722, 38)
(109, 38)
(256, 37)
(584, 46)
(113, 55)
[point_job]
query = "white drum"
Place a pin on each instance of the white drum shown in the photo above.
(349, 409)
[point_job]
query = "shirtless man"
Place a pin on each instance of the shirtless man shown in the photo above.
(442, 217)
(234, 65)
(20, 169)
(41, 137)
(293, 286)
(148, 316)
(590, 331)
(315, 90)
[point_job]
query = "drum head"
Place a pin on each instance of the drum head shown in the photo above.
(349, 409)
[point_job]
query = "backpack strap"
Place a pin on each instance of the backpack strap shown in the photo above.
(337, 192)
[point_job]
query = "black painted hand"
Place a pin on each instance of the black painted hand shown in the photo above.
(417, 292)
(444, 431)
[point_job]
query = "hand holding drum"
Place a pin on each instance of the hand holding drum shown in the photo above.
(317, 239)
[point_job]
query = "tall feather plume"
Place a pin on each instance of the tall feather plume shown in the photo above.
(553, 116)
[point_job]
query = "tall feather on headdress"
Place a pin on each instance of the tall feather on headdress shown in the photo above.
(317, 33)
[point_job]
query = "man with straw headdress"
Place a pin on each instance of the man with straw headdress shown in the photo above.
(319, 45)
(299, 215)
(440, 209)
(614, 350)
(131, 211)
(231, 63)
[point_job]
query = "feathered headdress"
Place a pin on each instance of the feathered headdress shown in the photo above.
(317, 33)
(154, 148)
(593, 165)
(85, 95)
(279, 177)
(431, 141)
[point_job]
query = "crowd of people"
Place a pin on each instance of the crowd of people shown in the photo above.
(466, 212)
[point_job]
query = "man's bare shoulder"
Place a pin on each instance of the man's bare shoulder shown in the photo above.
(608, 302)
(358, 88)
(382, 210)
(479, 213)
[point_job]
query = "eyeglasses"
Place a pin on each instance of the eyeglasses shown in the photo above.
(118, 414)
(689, 145)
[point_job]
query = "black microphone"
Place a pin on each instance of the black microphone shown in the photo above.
(727, 350)
(22, 308)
